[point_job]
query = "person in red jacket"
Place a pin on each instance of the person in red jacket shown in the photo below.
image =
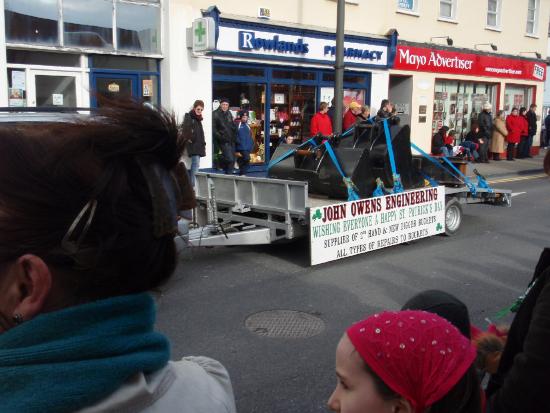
(516, 127)
(320, 122)
(351, 115)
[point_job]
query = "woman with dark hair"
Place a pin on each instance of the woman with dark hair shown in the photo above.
(482, 146)
(193, 134)
(87, 225)
(407, 362)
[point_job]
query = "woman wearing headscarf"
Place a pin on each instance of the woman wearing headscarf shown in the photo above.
(405, 361)
(92, 232)
(499, 135)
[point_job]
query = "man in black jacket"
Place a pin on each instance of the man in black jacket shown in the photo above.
(532, 131)
(485, 123)
(224, 131)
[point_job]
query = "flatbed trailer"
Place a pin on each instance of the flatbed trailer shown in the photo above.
(244, 210)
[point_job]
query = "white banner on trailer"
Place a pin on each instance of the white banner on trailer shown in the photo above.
(355, 227)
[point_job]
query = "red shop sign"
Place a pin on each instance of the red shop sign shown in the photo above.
(445, 61)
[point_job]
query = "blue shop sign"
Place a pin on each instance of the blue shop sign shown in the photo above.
(264, 41)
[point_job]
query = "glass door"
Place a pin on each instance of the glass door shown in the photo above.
(113, 87)
(54, 88)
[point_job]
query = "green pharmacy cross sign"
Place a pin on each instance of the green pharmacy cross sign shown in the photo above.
(203, 35)
(200, 31)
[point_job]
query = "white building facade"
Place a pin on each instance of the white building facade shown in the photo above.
(58, 53)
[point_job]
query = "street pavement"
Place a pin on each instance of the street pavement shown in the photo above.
(203, 309)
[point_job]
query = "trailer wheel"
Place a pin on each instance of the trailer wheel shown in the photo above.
(453, 217)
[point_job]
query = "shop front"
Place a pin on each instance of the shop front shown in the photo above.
(58, 54)
(281, 75)
(451, 86)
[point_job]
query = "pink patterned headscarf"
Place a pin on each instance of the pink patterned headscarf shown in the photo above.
(419, 355)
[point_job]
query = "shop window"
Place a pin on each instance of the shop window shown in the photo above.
(458, 104)
(138, 27)
(517, 97)
(149, 89)
(293, 75)
(493, 13)
(250, 97)
(532, 13)
(55, 91)
(328, 77)
(42, 58)
(31, 21)
(407, 5)
(82, 28)
(447, 9)
(17, 87)
(352, 78)
(238, 71)
(291, 110)
(124, 63)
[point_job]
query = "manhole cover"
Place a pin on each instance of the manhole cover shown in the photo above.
(284, 323)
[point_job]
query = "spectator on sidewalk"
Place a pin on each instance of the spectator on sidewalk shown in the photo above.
(224, 131)
(480, 142)
(92, 232)
(531, 116)
(499, 135)
(244, 143)
(405, 361)
(385, 110)
(547, 131)
(515, 126)
(524, 137)
(193, 134)
(320, 122)
(351, 115)
(485, 123)
(438, 143)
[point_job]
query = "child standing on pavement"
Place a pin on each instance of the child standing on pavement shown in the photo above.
(244, 143)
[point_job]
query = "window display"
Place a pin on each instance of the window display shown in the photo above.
(457, 104)
(251, 97)
(516, 96)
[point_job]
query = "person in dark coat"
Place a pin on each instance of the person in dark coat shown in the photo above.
(547, 131)
(485, 123)
(244, 143)
(531, 116)
(522, 380)
(476, 137)
(438, 143)
(520, 153)
(385, 110)
(193, 134)
(225, 133)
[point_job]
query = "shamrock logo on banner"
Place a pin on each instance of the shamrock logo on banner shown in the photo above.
(438, 227)
(317, 215)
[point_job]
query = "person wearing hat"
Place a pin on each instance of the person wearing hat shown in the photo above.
(244, 143)
(351, 115)
(485, 123)
(224, 131)
(405, 361)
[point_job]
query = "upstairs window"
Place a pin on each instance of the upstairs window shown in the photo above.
(532, 12)
(493, 13)
(447, 9)
(407, 5)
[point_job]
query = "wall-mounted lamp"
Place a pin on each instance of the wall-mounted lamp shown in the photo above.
(539, 56)
(449, 40)
(493, 46)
